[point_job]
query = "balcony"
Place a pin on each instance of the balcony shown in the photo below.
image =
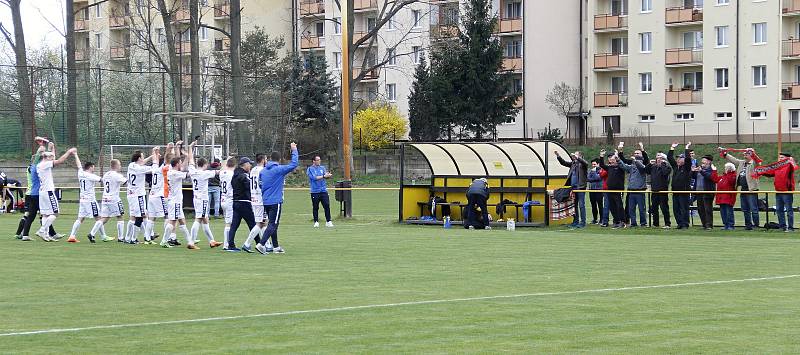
(370, 76)
(222, 45)
(186, 81)
(119, 52)
(683, 96)
(791, 8)
(790, 91)
(183, 47)
(80, 55)
(308, 8)
(684, 57)
(312, 42)
(182, 15)
(791, 49)
(359, 35)
(222, 10)
(510, 25)
(80, 25)
(610, 62)
(679, 16)
(610, 23)
(117, 22)
(610, 99)
(512, 64)
(365, 5)
(444, 31)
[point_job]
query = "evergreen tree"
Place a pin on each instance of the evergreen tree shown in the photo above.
(444, 95)
(315, 96)
(423, 125)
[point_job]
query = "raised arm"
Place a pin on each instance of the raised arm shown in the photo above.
(64, 157)
(77, 160)
(190, 153)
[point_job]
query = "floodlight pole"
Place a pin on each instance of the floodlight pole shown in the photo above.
(346, 76)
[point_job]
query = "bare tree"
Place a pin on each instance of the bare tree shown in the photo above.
(23, 82)
(565, 101)
(194, 59)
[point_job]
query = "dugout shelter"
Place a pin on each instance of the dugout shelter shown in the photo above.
(517, 172)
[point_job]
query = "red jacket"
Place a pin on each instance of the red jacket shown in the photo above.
(604, 175)
(726, 182)
(784, 178)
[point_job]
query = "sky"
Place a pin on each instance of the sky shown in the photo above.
(37, 16)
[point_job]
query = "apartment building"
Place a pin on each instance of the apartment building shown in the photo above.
(715, 70)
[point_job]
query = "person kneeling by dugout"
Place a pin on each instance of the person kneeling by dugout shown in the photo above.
(477, 195)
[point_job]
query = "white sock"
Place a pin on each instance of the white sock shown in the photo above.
(120, 230)
(189, 239)
(75, 227)
(261, 232)
(46, 223)
(195, 230)
(97, 225)
(225, 236)
(129, 232)
(167, 231)
(207, 230)
(173, 236)
(148, 230)
(252, 235)
(102, 229)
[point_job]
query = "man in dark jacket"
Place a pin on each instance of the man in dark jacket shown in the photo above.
(477, 195)
(615, 181)
(242, 205)
(660, 172)
(576, 178)
(703, 183)
(595, 182)
(636, 169)
(681, 178)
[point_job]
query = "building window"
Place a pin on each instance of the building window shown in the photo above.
(646, 82)
(390, 25)
(140, 66)
(391, 92)
(319, 27)
(416, 16)
(619, 7)
(794, 118)
(611, 123)
(337, 60)
(647, 118)
(693, 81)
(646, 42)
(723, 2)
(417, 54)
(760, 33)
(647, 5)
(141, 7)
(513, 10)
(723, 116)
(203, 33)
(619, 84)
(759, 75)
(619, 45)
(98, 13)
(692, 40)
(722, 78)
(517, 85)
(337, 25)
(160, 35)
(722, 35)
(514, 49)
(371, 23)
(684, 116)
(392, 57)
(758, 115)
(98, 39)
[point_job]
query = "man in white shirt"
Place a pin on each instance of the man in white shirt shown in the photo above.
(175, 216)
(136, 197)
(48, 203)
(226, 195)
(156, 203)
(199, 174)
(111, 204)
(88, 206)
(255, 196)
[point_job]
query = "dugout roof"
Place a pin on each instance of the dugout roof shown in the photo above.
(522, 159)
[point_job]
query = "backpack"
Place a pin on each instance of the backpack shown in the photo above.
(772, 225)
(562, 195)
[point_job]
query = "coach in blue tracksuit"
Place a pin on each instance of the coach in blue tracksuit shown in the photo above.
(272, 179)
(319, 191)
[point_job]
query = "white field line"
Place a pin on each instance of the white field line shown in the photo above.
(399, 304)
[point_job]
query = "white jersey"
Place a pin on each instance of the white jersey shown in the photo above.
(87, 181)
(45, 171)
(157, 181)
(136, 180)
(255, 185)
(200, 181)
(175, 181)
(111, 182)
(225, 177)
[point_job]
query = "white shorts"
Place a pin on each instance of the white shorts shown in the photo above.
(200, 208)
(137, 206)
(111, 209)
(175, 210)
(48, 203)
(258, 212)
(157, 207)
(88, 209)
(227, 208)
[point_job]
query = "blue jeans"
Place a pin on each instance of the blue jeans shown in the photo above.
(580, 209)
(636, 199)
(749, 203)
(604, 214)
(726, 212)
(213, 200)
(783, 207)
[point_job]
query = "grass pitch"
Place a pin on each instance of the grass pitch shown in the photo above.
(367, 283)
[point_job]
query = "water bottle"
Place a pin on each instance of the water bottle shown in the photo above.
(511, 225)
(447, 224)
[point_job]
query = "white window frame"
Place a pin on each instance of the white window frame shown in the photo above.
(794, 119)
(416, 54)
(416, 17)
(647, 118)
(757, 115)
(722, 2)
(646, 6)
(203, 33)
(646, 42)
(726, 77)
(160, 36)
(337, 60)
(684, 116)
(98, 13)
(646, 83)
(390, 25)
(721, 33)
(759, 33)
(392, 57)
(760, 78)
(391, 92)
(723, 116)
(337, 25)
(98, 40)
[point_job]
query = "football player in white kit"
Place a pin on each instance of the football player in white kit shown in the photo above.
(137, 197)
(48, 203)
(111, 204)
(156, 203)
(88, 207)
(175, 216)
(199, 174)
(255, 196)
(226, 196)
